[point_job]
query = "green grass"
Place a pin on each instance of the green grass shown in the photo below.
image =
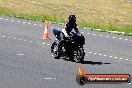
(34, 17)
(107, 27)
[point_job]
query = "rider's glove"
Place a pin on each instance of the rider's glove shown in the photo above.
(79, 34)
(66, 35)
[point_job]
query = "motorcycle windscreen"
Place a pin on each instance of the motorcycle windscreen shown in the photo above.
(56, 32)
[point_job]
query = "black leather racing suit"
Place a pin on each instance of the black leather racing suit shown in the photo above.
(68, 28)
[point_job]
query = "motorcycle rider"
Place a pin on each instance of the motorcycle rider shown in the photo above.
(66, 31)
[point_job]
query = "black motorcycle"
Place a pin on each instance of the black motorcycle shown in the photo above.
(72, 49)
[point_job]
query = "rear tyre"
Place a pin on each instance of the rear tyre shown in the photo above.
(54, 50)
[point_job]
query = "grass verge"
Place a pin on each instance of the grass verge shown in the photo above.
(126, 30)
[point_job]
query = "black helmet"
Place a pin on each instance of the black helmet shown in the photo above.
(72, 18)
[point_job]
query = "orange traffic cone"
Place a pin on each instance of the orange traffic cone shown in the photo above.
(45, 35)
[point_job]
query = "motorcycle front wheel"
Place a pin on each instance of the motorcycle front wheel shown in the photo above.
(78, 55)
(54, 51)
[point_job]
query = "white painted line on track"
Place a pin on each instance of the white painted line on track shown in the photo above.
(59, 28)
(49, 78)
(20, 54)
(95, 53)
(48, 44)
(1, 18)
(24, 40)
(107, 36)
(14, 38)
(29, 23)
(113, 37)
(52, 27)
(3, 36)
(110, 56)
(54, 78)
(115, 57)
(99, 54)
(35, 24)
(43, 43)
(100, 35)
(23, 22)
(131, 40)
(40, 25)
(12, 20)
(82, 32)
(89, 52)
(20, 39)
(121, 58)
(126, 39)
(120, 38)
(6, 19)
(105, 55)
(18, 21)
(85, 51)
(104, 36)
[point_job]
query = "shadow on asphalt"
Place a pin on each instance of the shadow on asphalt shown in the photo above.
(93, 63)
(88, 62)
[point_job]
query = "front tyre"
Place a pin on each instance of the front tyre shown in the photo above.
(54, 50)
(78, 55)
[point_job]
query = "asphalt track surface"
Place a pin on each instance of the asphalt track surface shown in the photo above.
(26, 61)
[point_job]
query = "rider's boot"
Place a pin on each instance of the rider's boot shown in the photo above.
(60, 46)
